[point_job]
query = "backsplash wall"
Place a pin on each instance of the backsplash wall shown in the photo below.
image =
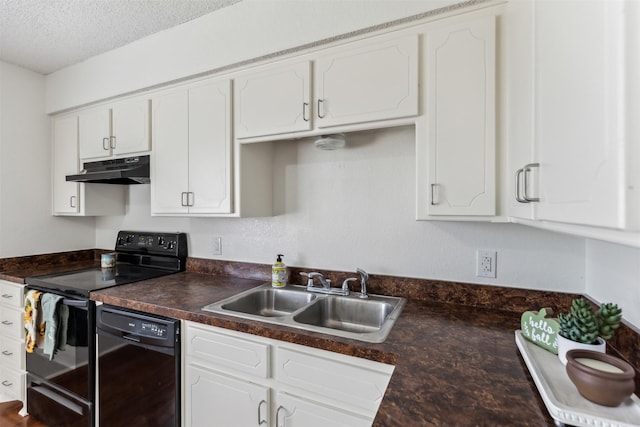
(355, 207)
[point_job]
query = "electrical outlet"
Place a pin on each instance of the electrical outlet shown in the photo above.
(486, 263)
(217, 245)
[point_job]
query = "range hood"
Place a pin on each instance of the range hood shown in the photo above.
(129, 170)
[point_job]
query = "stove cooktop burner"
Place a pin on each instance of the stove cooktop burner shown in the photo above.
(82, 282)
(141, 256)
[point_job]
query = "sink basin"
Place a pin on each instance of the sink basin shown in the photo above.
(369, 319)
(270, 302)
(347, 314)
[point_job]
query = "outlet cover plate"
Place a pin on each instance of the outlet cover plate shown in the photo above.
(486, 263)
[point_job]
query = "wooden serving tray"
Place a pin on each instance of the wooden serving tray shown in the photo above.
(561, 397)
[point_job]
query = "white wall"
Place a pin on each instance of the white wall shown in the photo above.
(613, 275)
(26, 226)
(356, 208)
(243, 31)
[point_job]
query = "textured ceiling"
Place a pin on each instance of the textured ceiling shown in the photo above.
(47, 35)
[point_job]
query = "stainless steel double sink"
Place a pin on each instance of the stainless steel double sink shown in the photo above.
(365, 319)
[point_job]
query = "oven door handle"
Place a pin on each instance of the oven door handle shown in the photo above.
(75, 303)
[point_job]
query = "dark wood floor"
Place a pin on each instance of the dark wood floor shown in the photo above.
(9, 416)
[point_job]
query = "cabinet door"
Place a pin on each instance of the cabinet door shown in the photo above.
(94, 132)
(580, 112)
(210, 148)
(274, 101)
(214, 399)
(521, 184)
(460, 98)
(370, 83)
(65, 162)
(294, 412)
(170, 160)
(130, 127)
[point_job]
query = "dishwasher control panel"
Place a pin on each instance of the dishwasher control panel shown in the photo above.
(137, 327)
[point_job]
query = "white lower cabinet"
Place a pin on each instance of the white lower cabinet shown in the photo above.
(12, 352)
(236, 379)
(214, 399)
(294, 412)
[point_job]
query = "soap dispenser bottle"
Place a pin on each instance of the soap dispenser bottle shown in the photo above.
(279, 273)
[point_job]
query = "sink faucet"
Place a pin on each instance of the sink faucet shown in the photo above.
(326, 284)
(363, 282)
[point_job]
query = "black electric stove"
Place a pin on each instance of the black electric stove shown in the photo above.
(61, 385)
(139, 256)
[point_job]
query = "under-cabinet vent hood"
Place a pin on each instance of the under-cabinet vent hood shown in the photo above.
(129, 170)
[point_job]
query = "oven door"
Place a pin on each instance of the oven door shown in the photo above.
(61, 391)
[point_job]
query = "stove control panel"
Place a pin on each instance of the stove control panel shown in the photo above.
(152, 243)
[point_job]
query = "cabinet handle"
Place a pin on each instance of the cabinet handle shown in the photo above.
(112, 142)
(434, 194)
(7, 296)
(527, 169)
(518, 175)
(105, 144)
(7, 353)
(72, 201)
(260, 420)
(320, 103)
(278, 416)
(183, 199)
(7, 323)
(305, 115)
(522, 184)
(6, 383)
(190, 198)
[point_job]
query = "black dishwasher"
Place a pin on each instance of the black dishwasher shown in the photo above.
(138, 369)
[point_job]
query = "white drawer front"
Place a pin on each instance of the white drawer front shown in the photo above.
(333, 378)
(11, 322)
(12, 353)
(227, 352)
(11, 383)
(11, 294)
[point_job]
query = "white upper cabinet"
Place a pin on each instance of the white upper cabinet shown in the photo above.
(580, 129)
(115, 130)
(273, 101)
(522, 170)
(191, 162)
(377, 81)
(65, 162)
(72, 198)
(362, 82)
(456, 151)
(582, 85)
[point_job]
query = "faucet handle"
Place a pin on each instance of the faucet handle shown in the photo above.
(325, 282)
(345, 284)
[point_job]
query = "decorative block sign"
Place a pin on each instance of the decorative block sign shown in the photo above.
(540, 330)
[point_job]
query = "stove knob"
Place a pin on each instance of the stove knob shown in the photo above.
(161, 241)
(171, 245)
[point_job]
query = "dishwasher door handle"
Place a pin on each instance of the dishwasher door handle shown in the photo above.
(130, 337)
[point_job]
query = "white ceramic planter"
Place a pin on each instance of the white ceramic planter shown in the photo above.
(564, 345)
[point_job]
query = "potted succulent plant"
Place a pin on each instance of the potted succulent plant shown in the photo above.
(586, 329)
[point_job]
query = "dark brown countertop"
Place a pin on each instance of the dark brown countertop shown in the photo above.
(455, 365)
